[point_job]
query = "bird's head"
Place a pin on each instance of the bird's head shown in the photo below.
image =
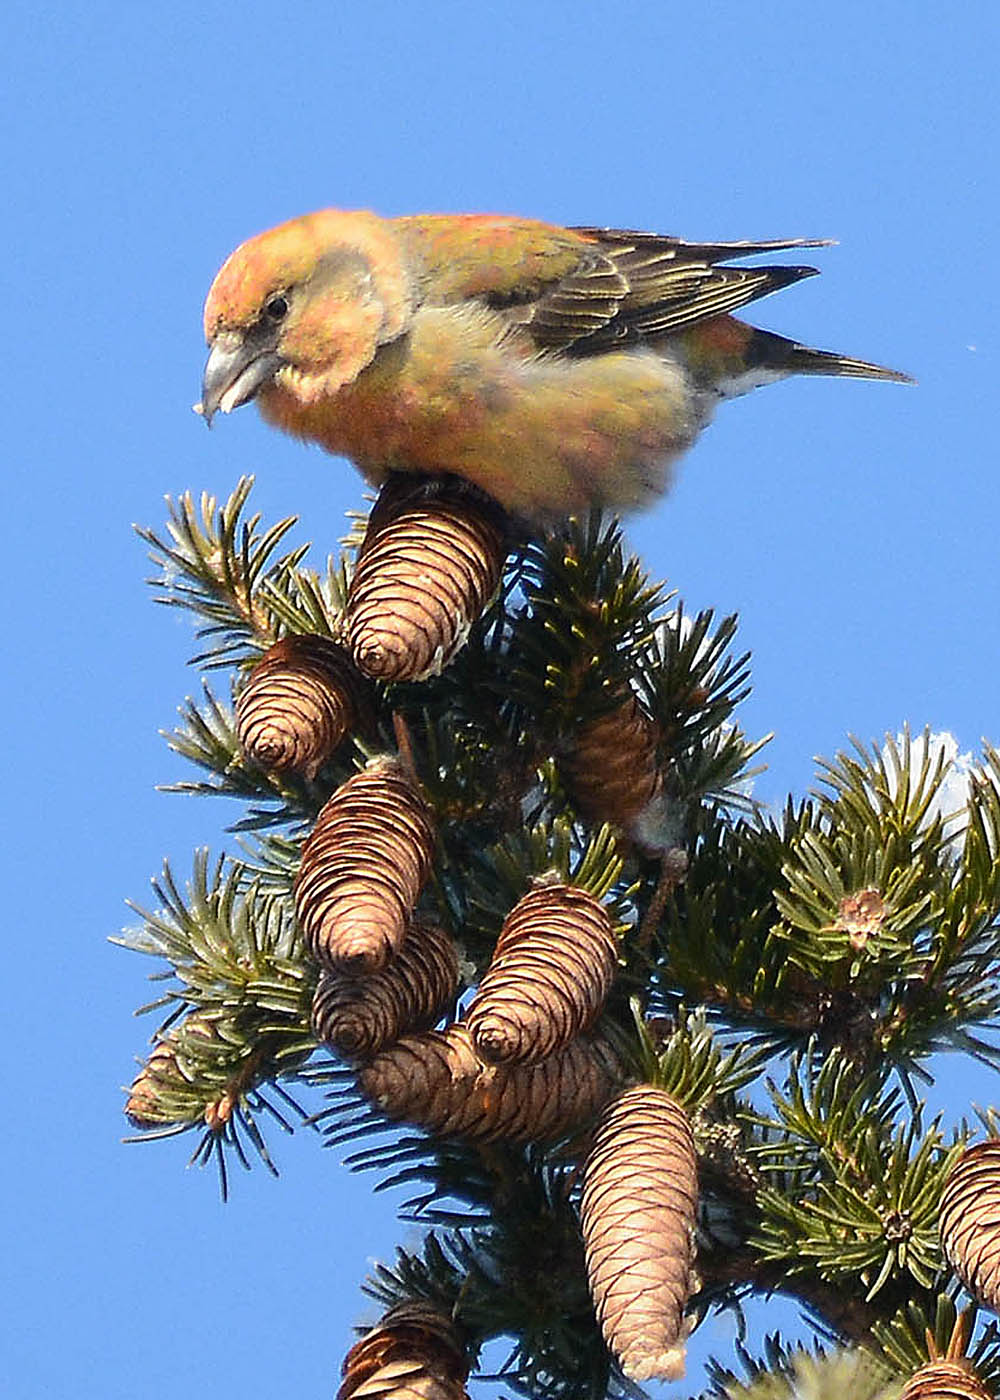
(304, 308)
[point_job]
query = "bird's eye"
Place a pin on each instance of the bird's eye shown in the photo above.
(276, 309)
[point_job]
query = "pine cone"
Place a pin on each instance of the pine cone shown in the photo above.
(969, 1220)
(612, 772)
(415, 1353)
(297, 704)
(362, 869)
(637, 1213)
(358, 1016)
(148, 1104)
(170, 1088)
(436, 1081)
(429, 564)
(945, 1380)
(549, 976)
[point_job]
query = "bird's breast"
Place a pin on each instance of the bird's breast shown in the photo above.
(543, 434)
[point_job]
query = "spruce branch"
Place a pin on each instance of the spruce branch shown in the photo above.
(590, 612)
(302, 600)
(716, 942)
(235, 995)
(692, 682)
(955, 1002)
(687, 1058)
(792, 1373)
(881, 901)
(219, 564)
(862, 917)
(922, 1330)
(206, 737)
(849, 1191)
(862, 885)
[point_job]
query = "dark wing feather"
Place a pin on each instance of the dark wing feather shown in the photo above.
(632, 286)
(659, 245)
(582, 305)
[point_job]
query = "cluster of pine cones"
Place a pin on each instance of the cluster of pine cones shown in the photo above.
(523, 1063)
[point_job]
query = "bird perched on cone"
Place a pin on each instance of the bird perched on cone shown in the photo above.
(554, 368)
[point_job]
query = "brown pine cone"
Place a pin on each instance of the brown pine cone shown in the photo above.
(148, 1104)
(173, 1085)
(414, 1353)
(637, 1213)
(548, 978)
(945, 1380)
(969, 1220)
(193, 1074)
(363, 867)
(430, 562)
(949, 1374)
(358, 1016)
(297, 704)
(437, 1081)
(611, 771)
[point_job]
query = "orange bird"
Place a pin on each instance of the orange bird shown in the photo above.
(554, 368)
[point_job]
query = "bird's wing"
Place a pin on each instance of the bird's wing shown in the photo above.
(583, 290)
(629, 286)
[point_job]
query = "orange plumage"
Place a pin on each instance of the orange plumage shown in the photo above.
(554, 368)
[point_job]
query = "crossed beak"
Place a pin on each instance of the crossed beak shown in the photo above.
(235, 372)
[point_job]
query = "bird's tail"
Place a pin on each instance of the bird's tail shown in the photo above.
(775, 352)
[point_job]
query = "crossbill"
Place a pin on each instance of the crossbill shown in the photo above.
(554, 368)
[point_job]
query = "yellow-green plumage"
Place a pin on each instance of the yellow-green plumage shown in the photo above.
(555, 368)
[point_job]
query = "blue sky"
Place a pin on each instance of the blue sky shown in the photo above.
(852, 526)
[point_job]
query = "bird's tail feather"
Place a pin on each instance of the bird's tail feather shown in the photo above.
(804, 360)
(775, 352)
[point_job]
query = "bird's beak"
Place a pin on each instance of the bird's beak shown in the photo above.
(236, 369)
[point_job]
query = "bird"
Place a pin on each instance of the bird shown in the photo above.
(553, 368)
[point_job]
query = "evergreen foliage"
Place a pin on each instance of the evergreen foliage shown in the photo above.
(787, 978)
